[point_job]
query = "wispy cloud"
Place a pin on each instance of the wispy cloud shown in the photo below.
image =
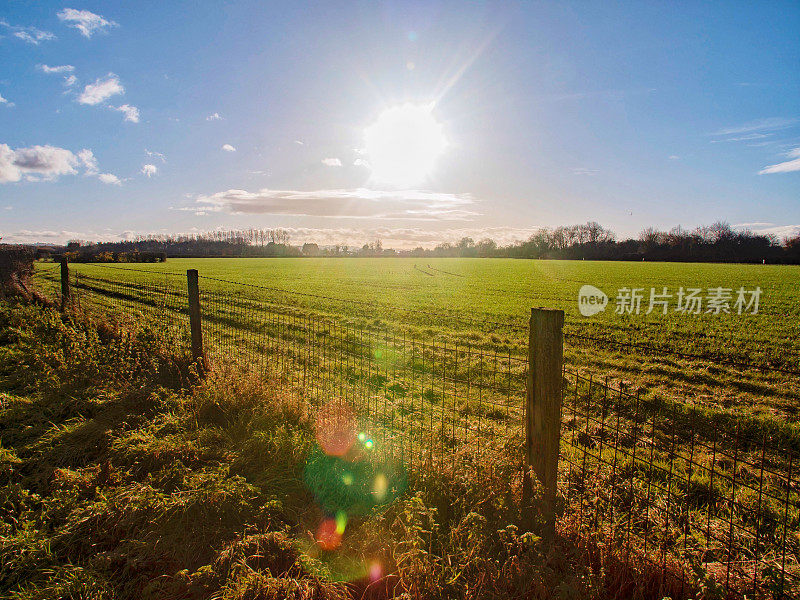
(88, 23)
(131, 112)
(345, 203)
(109, 178)
(744, 138)
(784, 167)
(56, 69)
(101, 90)
(331, 162)
(403, 238)
(157, 155)
(149, 170)
(4, 101)
(758, 126)
(214, 117)
(69, 80)
(89, 161)
(43, 163)
(28, 34)
(228, 148)
(53, 236)
(583, 171)
(779, 231)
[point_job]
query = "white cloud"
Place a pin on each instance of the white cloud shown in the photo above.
(109, 178)
(131, 112)
(674, 157)
(27, 236)
(69, 80)
(760, 125)
(88, 23)
(56, 69)
(395, 237)
(228, 148)
(4, 101)
(779, 231)
(360, 162)
(214, 117)
(155, 155)
(744, 138)
(149, 170)
(352, 203)
(403, 238)
(89, 161)
(37, 163)
(331, 162)
(583, 171)
(28, 34)
(784, 167)
(101, 90)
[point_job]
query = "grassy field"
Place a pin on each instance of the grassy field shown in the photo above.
(700, 359)
(124, 476)
(341, 329)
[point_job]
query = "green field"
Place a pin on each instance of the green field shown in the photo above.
(431, 357)
(486, 302)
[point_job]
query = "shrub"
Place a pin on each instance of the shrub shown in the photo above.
(16, 268)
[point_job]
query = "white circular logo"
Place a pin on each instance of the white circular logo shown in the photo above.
(591, 300)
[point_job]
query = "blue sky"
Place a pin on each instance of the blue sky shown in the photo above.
(254, 114)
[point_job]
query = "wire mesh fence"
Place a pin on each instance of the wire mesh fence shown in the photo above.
(163, 300)
(681, 491)
(699, 501)
(424, 402)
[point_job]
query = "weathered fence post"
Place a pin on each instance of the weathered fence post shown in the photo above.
(195, 321)
(544, 394)
(64, 283)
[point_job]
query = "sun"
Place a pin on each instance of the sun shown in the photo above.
(403, 144)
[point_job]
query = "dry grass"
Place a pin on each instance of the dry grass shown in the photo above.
(125, 476)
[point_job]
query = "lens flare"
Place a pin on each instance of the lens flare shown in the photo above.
(380, 486)
(341, 522)
(328, 536)
(375, 571)
(356, 483)
(335, 427)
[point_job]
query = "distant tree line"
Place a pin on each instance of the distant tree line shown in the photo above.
(590, 241)
(93, 253)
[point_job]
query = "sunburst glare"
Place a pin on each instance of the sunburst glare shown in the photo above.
(403, 144)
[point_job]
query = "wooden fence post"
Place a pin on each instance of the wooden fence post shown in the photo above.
(544, 394)
(64, 283)
(195, 321)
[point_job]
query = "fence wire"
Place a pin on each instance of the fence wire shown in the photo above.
(421, 401)
(680, 491)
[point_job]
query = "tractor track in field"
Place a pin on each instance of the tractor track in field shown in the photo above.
(445, 272)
